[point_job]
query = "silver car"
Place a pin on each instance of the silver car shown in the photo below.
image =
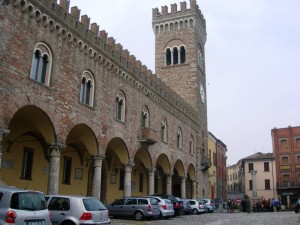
(197, 206)
(20, 207)
(165, 207)
(137, 207)
(75, 210)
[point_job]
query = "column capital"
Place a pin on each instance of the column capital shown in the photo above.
(55, 149)
(98, 160)
(152, 169)
(169, 174)
(98, 157)
(129, 165)
(253, 172)
(183, 178)
(4, 131)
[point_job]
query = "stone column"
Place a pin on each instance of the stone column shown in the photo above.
(53, 175)
(194, 189)
(183, 192)
(127, 179)
(169, 183)
(179, 56)
(151, 181)
(254, 188)
(96, 188)
(2, 133)
(172, 59)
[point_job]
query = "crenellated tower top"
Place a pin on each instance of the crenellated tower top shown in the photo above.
(163, 17)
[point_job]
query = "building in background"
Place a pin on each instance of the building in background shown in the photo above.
(212, 152)
(260, 176)
(221, 150)
(286, 149)
(235, 181)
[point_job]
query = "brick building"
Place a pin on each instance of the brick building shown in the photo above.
(286, 150)
(80, 115)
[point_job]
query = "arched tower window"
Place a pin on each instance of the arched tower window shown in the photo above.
(168, 57)
(175, 56)
(179, 138)
(41, 64)
(191, 145)
(145, 117)
(182, 54)
(164, 130)
(120, 106)
(87, 88)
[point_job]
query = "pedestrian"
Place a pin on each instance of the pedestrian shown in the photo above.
(254, 206)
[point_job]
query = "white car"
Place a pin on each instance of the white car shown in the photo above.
(197, 206)
(23, 207)
(165, 207)
(76, 210)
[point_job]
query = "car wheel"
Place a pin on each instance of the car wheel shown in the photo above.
(195, 211)
(68, 223)
(296, 210)
(138, 216)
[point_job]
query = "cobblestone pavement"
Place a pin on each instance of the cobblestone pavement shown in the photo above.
(271, 218)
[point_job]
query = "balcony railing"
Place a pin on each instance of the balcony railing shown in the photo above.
(288, 184)
(148, 136)
(205, 163)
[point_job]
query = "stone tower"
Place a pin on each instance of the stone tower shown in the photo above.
(180, 36)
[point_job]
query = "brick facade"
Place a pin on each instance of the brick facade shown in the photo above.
(53, 115)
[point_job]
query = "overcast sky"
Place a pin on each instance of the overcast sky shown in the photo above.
(252, 62)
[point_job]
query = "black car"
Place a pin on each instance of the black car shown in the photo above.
(297, 206)
(177, 203)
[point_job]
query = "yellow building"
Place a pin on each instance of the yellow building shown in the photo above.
(212, 140)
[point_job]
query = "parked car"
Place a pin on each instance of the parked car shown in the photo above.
(197, 206)
(209, 204)
(187, 209)
(203, 205)
(137, 207)
(166, 208)
(75, 210)
(19, 207)
(177, 203)
(297, 206)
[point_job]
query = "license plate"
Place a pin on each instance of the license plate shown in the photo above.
(35, 223)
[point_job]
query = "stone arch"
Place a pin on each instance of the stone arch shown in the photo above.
(142, 163)
(116, 158)
(163, 168)
(178, 174)
(31, 134)
(81, 146)
(190, 178)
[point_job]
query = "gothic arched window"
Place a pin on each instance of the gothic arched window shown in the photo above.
(41, 64)
(179, 138)
(87, 88)
(145, 117)
(120, 106)
(164, 130)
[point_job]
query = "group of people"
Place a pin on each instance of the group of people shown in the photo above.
(263, 205)
(244, 205)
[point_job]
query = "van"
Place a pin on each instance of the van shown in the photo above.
(136, 207)
(19, 207)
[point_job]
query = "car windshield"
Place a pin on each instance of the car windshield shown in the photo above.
(28, 201)
(93, 204)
